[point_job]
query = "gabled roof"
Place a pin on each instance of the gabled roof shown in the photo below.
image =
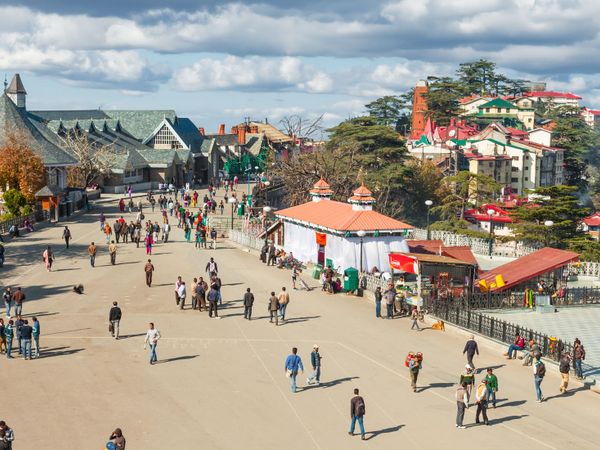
(593, 220)
(552, 94)
(529, 267)
(49, 191)
(42, 141)
(340, 217)
(498, 103)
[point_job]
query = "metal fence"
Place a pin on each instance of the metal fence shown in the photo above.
(35, 216)
(575, 296)
(499, 330)
(246, 240)
(479, 246)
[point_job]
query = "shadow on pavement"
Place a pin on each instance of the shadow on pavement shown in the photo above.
(177, 358)
(58, 351)
(66, 331)
(330, 383)
(436, 386)
(127, 336)
(40, 314)
(569, 393)
(300, 319)
(513, 403)
(507, 419)
(371, 434)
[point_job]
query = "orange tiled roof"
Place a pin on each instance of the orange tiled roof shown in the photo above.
(362, 194)
(341, 217)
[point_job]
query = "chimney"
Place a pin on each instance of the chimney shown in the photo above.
(201, 131)
(222, 129)
(241, 133)
(254, 129)
(452, 122)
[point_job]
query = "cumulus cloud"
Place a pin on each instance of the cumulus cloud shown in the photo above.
(253, 73)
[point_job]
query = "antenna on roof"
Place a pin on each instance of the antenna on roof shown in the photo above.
(5, 83)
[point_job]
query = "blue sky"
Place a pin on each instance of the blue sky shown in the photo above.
(217, 61)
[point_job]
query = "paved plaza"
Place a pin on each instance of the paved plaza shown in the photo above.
(220, 384)
(567, 324)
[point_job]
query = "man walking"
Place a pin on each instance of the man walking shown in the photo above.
(213, 238)
(26, 333)
(481, 395)
(152, 337)
(579, 357)
(284, 300)
(92, 252)
(492, 386)
(148, 269)
(114, 317)
(357, 412)
(112, 250)
(66, 235)
(462, 403)
(248, 302)
(211, 268)
(177, 285)
(539, 372)
(9, 332)
(7, 296)
(273, 308)
(18, 298)
(471, 349)
(564, 367)
(293, 364)
(35, 332)
(315, 362)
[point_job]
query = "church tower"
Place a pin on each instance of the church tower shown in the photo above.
(16, 91)
(419, 108)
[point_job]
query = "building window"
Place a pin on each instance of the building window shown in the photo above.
(514, 180)
(514, 169)
(529, 120)
(164, 138)
(526, 179)
(487, 110)
(515, 158)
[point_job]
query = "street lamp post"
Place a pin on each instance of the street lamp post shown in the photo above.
(490, 214)
(361, 234)
(267, 184)
(232, 201)
(548, 224)
(266, 211)
(428, 203)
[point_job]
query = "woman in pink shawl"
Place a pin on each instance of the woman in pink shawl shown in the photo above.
(48, 257)
(148, 240)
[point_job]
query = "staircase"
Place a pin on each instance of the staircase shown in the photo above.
(222, 223)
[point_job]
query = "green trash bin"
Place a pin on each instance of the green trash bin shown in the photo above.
(316, 273)
(350, 279)
(240, 209)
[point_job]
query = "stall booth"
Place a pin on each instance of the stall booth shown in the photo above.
(436, 277)
(50, 198)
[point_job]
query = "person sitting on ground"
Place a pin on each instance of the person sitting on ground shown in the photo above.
(78, 289)
(534, 351)
(518, 344)
(337, 286)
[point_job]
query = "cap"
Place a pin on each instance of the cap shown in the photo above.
(315, 346)
(468, 367)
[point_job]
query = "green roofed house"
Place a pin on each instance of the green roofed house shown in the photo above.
(505, 112)
(149, 146)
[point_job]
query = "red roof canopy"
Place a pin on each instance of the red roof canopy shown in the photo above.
(593, 220)
(341, 217)
(529, 266)
(552, 94)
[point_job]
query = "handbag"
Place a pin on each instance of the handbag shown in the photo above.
(288, 373)
(110, 328)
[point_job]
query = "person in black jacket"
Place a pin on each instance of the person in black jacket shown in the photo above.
(114, 317)
(248, 302)
(471, 349)
(564, 367)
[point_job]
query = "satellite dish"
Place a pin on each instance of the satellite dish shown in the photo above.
(452, 133)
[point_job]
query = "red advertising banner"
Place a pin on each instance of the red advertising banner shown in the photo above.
(403, 263)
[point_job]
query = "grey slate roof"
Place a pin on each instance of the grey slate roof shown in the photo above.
(228, 140)
(49, 191)
(42, 141)
(187, 131)
(16, 86)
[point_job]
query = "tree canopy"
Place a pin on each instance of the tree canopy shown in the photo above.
(465, 189)
(20, 167)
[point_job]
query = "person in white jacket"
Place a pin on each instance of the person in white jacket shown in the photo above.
(481, 395)
(152, 337)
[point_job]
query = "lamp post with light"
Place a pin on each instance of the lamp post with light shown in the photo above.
(428, 203)
(267, 184)
(490, 214)
(548, 224)
(232, 201)
(361, 234)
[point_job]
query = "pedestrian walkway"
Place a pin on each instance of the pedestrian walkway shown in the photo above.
(566, 324)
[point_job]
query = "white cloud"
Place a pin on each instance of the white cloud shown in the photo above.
(252, 73)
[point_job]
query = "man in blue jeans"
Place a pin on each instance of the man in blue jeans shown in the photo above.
(293, 363)
(539, 371)
(26, 333)
(357, 411)
(315, 361)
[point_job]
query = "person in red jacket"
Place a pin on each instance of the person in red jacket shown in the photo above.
(518, 344)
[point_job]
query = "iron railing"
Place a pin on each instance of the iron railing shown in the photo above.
(572, 296)
(33, 217)
(499, 330)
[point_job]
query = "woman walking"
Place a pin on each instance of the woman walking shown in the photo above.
(48, 257)
(148, 240)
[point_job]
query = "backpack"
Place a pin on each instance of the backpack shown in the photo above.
(541, 370)
(142, 217)
(409, 357)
